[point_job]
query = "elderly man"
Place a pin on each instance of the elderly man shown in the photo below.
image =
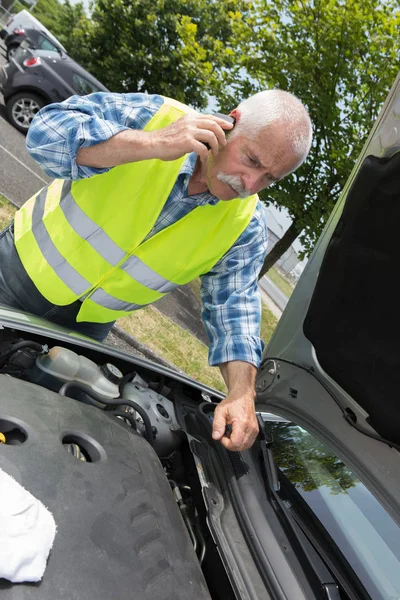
(149, 195)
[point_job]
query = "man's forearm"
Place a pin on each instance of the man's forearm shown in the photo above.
(124, 147)
(191, 133)
(237, 410)
(239, 376)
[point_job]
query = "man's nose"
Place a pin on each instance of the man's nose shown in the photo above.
(251, 181)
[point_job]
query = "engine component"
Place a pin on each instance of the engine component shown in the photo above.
(161, 413)
(111, 373)
(93, 398)
(61, 365)
(119, 531)
(4, 356)
(76, 451)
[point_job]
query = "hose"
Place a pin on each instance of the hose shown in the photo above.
(124, 415)
(125, 379)
(25, 344)
(184, 509)
(114, 401)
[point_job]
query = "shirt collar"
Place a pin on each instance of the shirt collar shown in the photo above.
(186, 172)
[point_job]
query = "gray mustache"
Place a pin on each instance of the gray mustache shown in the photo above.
(235, 182)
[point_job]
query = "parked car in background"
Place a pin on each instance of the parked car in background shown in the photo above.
(36, 38)
(24, 20)
(36, 77)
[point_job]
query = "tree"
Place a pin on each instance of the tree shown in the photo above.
(340, 57)
(171, 47)
(50, 13)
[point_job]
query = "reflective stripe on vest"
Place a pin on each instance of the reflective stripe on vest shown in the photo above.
(88, 230)
(86, 238)
(77, 284)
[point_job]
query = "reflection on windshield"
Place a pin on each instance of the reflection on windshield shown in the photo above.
(306, 463)
(367, 536)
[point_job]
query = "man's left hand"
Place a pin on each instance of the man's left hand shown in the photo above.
(238, 411)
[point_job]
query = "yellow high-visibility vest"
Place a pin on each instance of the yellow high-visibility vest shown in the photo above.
(85, 238)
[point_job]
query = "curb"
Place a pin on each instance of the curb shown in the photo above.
(132, 341)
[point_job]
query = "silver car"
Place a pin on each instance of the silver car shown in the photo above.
(148, 506)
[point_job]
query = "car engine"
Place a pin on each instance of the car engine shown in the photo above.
(103, 449)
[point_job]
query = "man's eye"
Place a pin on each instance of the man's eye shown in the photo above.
(253, 162)
(267, 179)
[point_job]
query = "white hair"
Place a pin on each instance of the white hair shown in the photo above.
(276, 106)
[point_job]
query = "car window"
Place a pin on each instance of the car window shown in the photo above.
(44, 44)
(83, 86)
(365, 533)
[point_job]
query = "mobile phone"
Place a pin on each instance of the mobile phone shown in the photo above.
(226, 118)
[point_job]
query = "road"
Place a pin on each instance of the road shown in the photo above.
(272, 290)
(20, 176)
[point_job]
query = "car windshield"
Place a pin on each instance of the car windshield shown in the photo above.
(366, 535)
(83, 86)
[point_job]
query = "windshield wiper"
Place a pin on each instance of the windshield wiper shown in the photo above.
(311, 548)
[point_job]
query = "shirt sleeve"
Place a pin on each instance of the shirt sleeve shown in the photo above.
(231, 300)
(60, 129)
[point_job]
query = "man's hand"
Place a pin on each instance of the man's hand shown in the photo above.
(239, 413)
(189, 134)
(237, 410)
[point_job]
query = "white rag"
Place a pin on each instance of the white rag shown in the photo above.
(27, 531)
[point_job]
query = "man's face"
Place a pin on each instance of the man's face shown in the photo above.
(247, 166)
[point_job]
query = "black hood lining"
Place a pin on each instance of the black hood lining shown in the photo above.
(353, 320)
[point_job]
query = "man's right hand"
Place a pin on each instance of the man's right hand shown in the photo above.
(190, 134)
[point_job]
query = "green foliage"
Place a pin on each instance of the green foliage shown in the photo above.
(340, 57)
(172, 47)
(50, 13)
(65, 21)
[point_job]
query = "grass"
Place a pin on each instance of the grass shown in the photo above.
(173, 343)
(7, 211)
(163, 336)
(280, 281)
(268, 324)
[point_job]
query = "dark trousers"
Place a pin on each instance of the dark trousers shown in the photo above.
(17, 290)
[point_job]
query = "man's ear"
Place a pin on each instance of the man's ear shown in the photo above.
(235, 114)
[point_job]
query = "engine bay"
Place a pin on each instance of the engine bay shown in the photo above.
(101, 441)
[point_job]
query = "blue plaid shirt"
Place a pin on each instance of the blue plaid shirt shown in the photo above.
(230, 297)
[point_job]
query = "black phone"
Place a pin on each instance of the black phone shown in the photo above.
(226, 118)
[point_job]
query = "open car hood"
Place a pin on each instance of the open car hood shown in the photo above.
(333, 363)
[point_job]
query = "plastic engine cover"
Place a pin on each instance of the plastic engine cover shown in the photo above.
(119, 531)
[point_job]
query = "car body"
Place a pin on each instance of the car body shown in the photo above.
(35, 78)
(150, 506)
(25, 20)
(33, 38)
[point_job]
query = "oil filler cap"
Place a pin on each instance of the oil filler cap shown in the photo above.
(111, 373)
